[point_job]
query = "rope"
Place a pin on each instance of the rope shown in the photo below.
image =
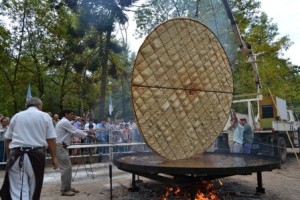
(191, 90)
(21, 166)
(266, 144)
(262, 144)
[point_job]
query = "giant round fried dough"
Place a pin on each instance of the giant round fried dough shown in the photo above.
(182, 88)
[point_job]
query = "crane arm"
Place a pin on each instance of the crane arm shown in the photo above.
(245, 47)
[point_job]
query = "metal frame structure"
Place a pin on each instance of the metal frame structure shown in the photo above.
(207, 166)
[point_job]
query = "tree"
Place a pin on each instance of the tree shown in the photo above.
(5, 61)
(14, 45)
(59, 47)
(120, 72)
(275, 72)
(37, 47)
(102, 16)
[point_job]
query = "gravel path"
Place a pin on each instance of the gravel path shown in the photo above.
(282, 184)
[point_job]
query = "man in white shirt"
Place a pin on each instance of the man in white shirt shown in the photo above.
(238, 138)
(89, 124)
(29, 134)
(91, 127)
(102, 134)
(65, 130)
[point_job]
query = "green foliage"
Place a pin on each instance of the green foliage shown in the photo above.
(69, 54)
(276, 73)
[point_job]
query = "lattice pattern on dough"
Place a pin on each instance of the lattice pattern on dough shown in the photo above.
(181, 88)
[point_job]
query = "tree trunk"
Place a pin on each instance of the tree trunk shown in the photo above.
(104, 77)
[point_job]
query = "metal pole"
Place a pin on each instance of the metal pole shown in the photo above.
(110, 148)
(245, 47)
(299, 137)
(133, 185)
(110, 177)
(260, 188)
(233, 23)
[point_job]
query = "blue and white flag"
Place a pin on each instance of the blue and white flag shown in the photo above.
(28, 96)
(110, 106)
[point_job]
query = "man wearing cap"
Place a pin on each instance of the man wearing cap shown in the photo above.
(65, 130)
(28, 136)
(247, 136)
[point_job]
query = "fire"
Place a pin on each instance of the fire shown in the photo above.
(204, 191)
(171, 192)
(177, 190)
(202, 196)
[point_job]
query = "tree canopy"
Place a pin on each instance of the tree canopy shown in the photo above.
(67, 50)
(277, 74)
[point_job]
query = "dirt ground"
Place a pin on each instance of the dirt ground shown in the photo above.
(94, 183)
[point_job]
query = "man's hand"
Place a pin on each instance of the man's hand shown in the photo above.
(92, 136)
(55, 163)
(90, 131)
(52, 149)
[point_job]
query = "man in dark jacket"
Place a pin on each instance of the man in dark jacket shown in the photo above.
(247, 137)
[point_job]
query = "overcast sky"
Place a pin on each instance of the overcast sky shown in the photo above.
(285, 14)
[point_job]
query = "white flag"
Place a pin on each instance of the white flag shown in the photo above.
(110, 106)
(28, 96)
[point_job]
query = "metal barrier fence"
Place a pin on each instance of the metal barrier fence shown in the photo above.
(109, 148)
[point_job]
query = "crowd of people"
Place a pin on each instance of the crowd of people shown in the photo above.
(29, 135)
(105, 132)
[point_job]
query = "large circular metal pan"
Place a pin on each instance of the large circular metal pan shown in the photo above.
(206, 164)
(181, 88)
